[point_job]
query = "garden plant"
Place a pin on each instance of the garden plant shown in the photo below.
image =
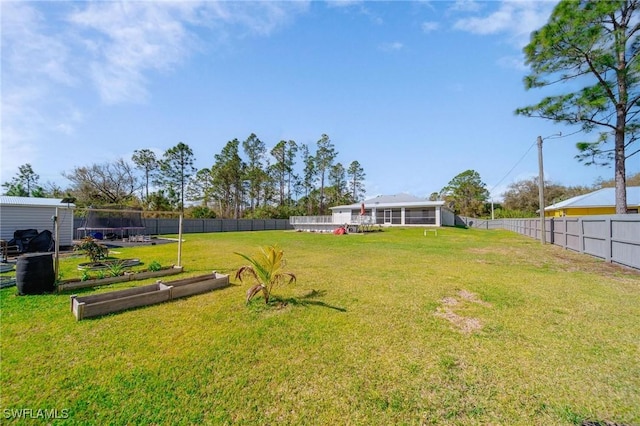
(267, 268)
(91, 248)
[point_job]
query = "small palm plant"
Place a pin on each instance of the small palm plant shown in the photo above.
(267, 269)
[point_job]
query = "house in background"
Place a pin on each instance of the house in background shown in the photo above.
(384, 210)
(602, 201)
(21, 213)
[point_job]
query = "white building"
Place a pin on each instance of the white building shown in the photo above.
(384, 210)
(19, 213)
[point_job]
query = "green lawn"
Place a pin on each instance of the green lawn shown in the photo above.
(394, 327)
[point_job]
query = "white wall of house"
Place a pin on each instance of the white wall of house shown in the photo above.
(341, 216)
(443, 216)
(19, 217)
(447, 217)
(393, 210)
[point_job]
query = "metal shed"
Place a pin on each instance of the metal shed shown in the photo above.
(17, 213)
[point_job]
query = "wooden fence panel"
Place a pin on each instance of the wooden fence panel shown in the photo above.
(614, 238)
(213, 225)
(625, 242)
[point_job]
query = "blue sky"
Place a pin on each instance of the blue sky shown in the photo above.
(417, 92)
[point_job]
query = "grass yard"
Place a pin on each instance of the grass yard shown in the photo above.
(394, 327)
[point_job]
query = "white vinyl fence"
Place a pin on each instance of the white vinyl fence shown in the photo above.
(614, 238)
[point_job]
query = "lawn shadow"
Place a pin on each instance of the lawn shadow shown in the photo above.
(306, 302)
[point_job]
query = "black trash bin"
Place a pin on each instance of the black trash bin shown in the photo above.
(34, 273)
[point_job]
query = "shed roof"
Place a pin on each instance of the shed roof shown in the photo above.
(7, 200)
(398, 200)
(605, 197)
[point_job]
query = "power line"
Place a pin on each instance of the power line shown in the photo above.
(556, 136)
(512, 168)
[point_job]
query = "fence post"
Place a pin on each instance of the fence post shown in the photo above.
(180, 240)
(608, 237)
(581, 234)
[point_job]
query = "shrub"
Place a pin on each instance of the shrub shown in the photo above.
(92, 249)
(155, 266)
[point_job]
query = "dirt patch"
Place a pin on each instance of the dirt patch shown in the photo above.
(449, 301)
(490, 250)
(472, 297)
(463, 324)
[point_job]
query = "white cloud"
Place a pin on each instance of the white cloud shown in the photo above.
(513, 62)
(359, 6)
(465, 6)
(516, 18)
(119, 43)
(65, 128)
(257, 18)
(392, 46)
(430, 26)
(114, 45)
(34, 66)
(19, 121)
(344, 3)
(496, 22)
(34, 53)
(132, 38)
(108, 48)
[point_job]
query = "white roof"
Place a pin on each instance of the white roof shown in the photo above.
(398, 200)
(605, 197)
(6, 200)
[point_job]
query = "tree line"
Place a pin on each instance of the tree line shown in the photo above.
(245, 180)
(467, 195)
(237, 188)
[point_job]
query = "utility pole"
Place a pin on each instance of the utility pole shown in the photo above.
(543, 232)
(56, 227)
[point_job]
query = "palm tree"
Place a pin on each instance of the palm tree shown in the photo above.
(267, 269)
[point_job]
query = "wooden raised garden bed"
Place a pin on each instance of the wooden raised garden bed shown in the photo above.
(134, 276)
(106, 264)
(105, 303)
